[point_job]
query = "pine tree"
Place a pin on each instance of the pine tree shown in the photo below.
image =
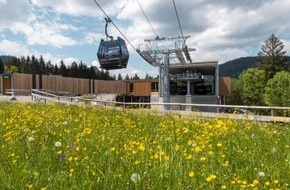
(120, 77)
(62, 69)
(272, 57)
(1, 66)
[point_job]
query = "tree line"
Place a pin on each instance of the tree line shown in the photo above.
(33, 65)
(266, 84)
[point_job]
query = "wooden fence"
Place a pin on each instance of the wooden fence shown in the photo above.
(67, 84)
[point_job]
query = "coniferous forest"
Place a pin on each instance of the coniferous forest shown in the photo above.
(33, 65)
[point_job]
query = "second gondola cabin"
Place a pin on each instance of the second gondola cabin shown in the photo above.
(113, 54)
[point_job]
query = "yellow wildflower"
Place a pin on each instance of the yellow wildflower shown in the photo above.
(141, 147)
(255, 182)
(191, 174)
(219, 144)
(210, 178)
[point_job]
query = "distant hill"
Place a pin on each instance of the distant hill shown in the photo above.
(6, 58)
(235, 67)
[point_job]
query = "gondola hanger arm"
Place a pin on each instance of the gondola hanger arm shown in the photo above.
(108, 20)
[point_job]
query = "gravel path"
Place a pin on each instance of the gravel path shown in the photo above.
(18, 99)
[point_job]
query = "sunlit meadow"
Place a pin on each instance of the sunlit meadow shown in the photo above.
(82, 147)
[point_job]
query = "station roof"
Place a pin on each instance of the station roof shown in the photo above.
(206, 68)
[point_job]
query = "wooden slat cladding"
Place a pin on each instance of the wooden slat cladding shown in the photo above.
(142, 88)
(68, 84)
(22, 81)
(116, 87)
(225, 86)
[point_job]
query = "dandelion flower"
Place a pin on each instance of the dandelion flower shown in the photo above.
(135, 178)
(57, 144)
(261, 174)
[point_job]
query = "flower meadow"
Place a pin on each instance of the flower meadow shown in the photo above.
(51, 147)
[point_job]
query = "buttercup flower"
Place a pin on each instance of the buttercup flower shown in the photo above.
(191, 174)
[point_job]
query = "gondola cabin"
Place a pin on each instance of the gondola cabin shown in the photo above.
(113, 54)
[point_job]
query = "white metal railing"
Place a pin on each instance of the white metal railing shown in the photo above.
(17, 92)
(246, 112)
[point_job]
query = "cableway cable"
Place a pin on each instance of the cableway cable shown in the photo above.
(178, 20)
(149, 22)
(115, 25)
(147, 18)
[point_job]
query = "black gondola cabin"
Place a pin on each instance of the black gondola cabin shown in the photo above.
(113, 54)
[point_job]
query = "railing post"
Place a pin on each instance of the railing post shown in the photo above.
(272, 112)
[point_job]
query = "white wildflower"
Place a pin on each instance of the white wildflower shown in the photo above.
(135, 177)
(261, 174)
(57, 144)
(274, 150)
(30, 139)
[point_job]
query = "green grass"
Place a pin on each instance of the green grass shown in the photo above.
(104, 149)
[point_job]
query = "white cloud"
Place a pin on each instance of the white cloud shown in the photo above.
(131, 71)
(95, 63)
(44, 33)
(286, 44)
(13, 48)
(80, 7)
(15, 11)
(3, 1)
(220, 30)
(18, 49)
(91, 38)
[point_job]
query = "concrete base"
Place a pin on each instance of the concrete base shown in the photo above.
(188, 100)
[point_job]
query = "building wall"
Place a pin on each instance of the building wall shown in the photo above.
(142, 88)
(115, 87)
(225, 86)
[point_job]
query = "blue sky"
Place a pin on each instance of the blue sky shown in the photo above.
(72, 29)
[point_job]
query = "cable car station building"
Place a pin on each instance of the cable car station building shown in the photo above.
(182, 81)
(195, 83)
